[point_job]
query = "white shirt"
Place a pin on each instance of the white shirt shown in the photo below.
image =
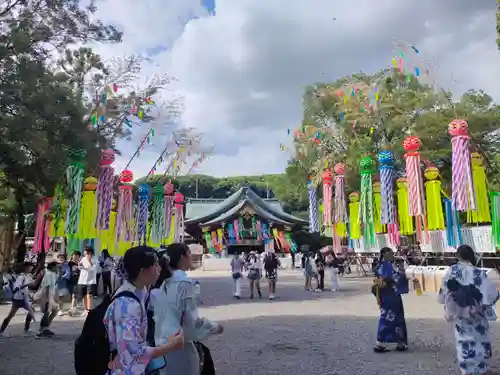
(21, 280)
(88, 273)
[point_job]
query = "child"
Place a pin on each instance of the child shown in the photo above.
(20, 299)
(48, 299)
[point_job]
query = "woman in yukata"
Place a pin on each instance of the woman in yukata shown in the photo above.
(389, 284)
(126, 318)
(469, 298)
(175, 308)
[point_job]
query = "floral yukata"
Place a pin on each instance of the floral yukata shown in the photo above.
(391, 324)
(127, 325)
(469, 298)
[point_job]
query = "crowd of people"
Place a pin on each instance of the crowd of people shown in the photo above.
(149, 323)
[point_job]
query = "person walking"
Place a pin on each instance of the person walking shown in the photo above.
(87, 280)
(254, 267)
(48, 300)
(271, 265)
(237, 264)
(469, 299)
(107, 265)
(390, 283)
(175, 308)
(332, 264)
(320, 271)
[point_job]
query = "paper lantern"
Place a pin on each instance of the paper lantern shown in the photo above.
(168, 189)
(412, 144)
(458, 127)
(178, 198)
(126, 176)
(107, 157)
(90, 184)
(354, 197)
(339, 168)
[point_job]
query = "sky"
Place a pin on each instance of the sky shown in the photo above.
(242, 72)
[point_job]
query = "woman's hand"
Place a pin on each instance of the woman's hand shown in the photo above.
(176, 341)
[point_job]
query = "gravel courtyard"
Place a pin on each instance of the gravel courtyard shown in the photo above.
(297, 334)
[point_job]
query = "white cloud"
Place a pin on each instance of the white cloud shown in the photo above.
(243, 71)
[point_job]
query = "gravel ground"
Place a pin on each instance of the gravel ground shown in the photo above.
(297, 334)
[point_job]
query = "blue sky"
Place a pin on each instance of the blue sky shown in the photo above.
(242, 72)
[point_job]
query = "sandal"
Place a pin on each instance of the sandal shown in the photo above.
(401, 348)
(380, 349)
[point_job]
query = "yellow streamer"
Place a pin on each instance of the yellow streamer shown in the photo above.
(482, 213)
(88, 212)
(354, 224)
(405, 220)
(434, 203)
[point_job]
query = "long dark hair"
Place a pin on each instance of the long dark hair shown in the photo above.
(171, 260)
(165, 271)
(105, 254)
(466, 253)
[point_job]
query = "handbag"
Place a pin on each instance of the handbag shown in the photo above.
(236, 275)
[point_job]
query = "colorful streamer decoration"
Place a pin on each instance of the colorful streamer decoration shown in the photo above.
(41, 241)
(495, 222)
(168, 196)
(463, 195)
(415, 182)
(143, 214)
(404, 218)
(157, 211)
(482, 213)
(388, 212)
(377, 209)
(340, 198)
(313, 208)
(433, 189)
(179, 217)
(327, 197)
(105, 187)
(366, 208)
(125, 209)
(354, 222)
(87, 229)
(74, 179)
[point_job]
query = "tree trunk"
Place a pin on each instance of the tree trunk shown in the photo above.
(21, 226)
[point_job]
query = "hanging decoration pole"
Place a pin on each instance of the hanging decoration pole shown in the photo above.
(340, 206)
(463, 195)
(366, 207)
(74, 178)
(388, 217)
(416, 200)
(313, 208)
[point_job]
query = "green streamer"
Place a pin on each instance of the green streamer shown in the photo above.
(495, 219)
(366, 166)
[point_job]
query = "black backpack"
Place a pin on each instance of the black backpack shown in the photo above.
(92, 352)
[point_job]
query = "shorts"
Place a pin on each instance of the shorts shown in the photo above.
(85, 290)
(19, 304)
(272, 275)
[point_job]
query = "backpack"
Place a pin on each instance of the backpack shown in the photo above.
(92, 351)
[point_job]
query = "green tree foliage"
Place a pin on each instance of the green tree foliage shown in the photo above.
(42, 115)
(273, 186)
(347, 130)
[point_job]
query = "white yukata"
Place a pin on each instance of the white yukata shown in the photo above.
(469, 298)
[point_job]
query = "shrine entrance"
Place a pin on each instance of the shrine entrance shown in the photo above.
(245, 247)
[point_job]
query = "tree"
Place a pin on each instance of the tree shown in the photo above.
(344, 121)
(41, 112)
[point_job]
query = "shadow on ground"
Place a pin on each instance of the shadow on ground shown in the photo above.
(278, 345)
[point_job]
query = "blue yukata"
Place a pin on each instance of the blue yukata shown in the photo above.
(469, 298)
(391, 324)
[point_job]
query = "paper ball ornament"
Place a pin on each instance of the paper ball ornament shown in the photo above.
(385, 158)
(77, 155)
(412, 144)
(458, 127)
(476, 159)
(143, 190)
(113, 205)
(366, 165)
(401, 182)
(327, 177)
(376, 187)
(339, 168)
(107, 157)
(431, 173)
(90, 184)
(354, 197)
(158, 189)
(126, 176)
(178, 198)
(168, 189)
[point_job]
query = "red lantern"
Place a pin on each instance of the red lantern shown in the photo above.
(339, 168)
(458, 127)
(327, 177)
(107, 157)
(168, 189)
(178, 198)
(412, 144)
(126, 176)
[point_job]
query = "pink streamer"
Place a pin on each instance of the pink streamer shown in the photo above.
(42, 226)
(125, 215)
(463, 195)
